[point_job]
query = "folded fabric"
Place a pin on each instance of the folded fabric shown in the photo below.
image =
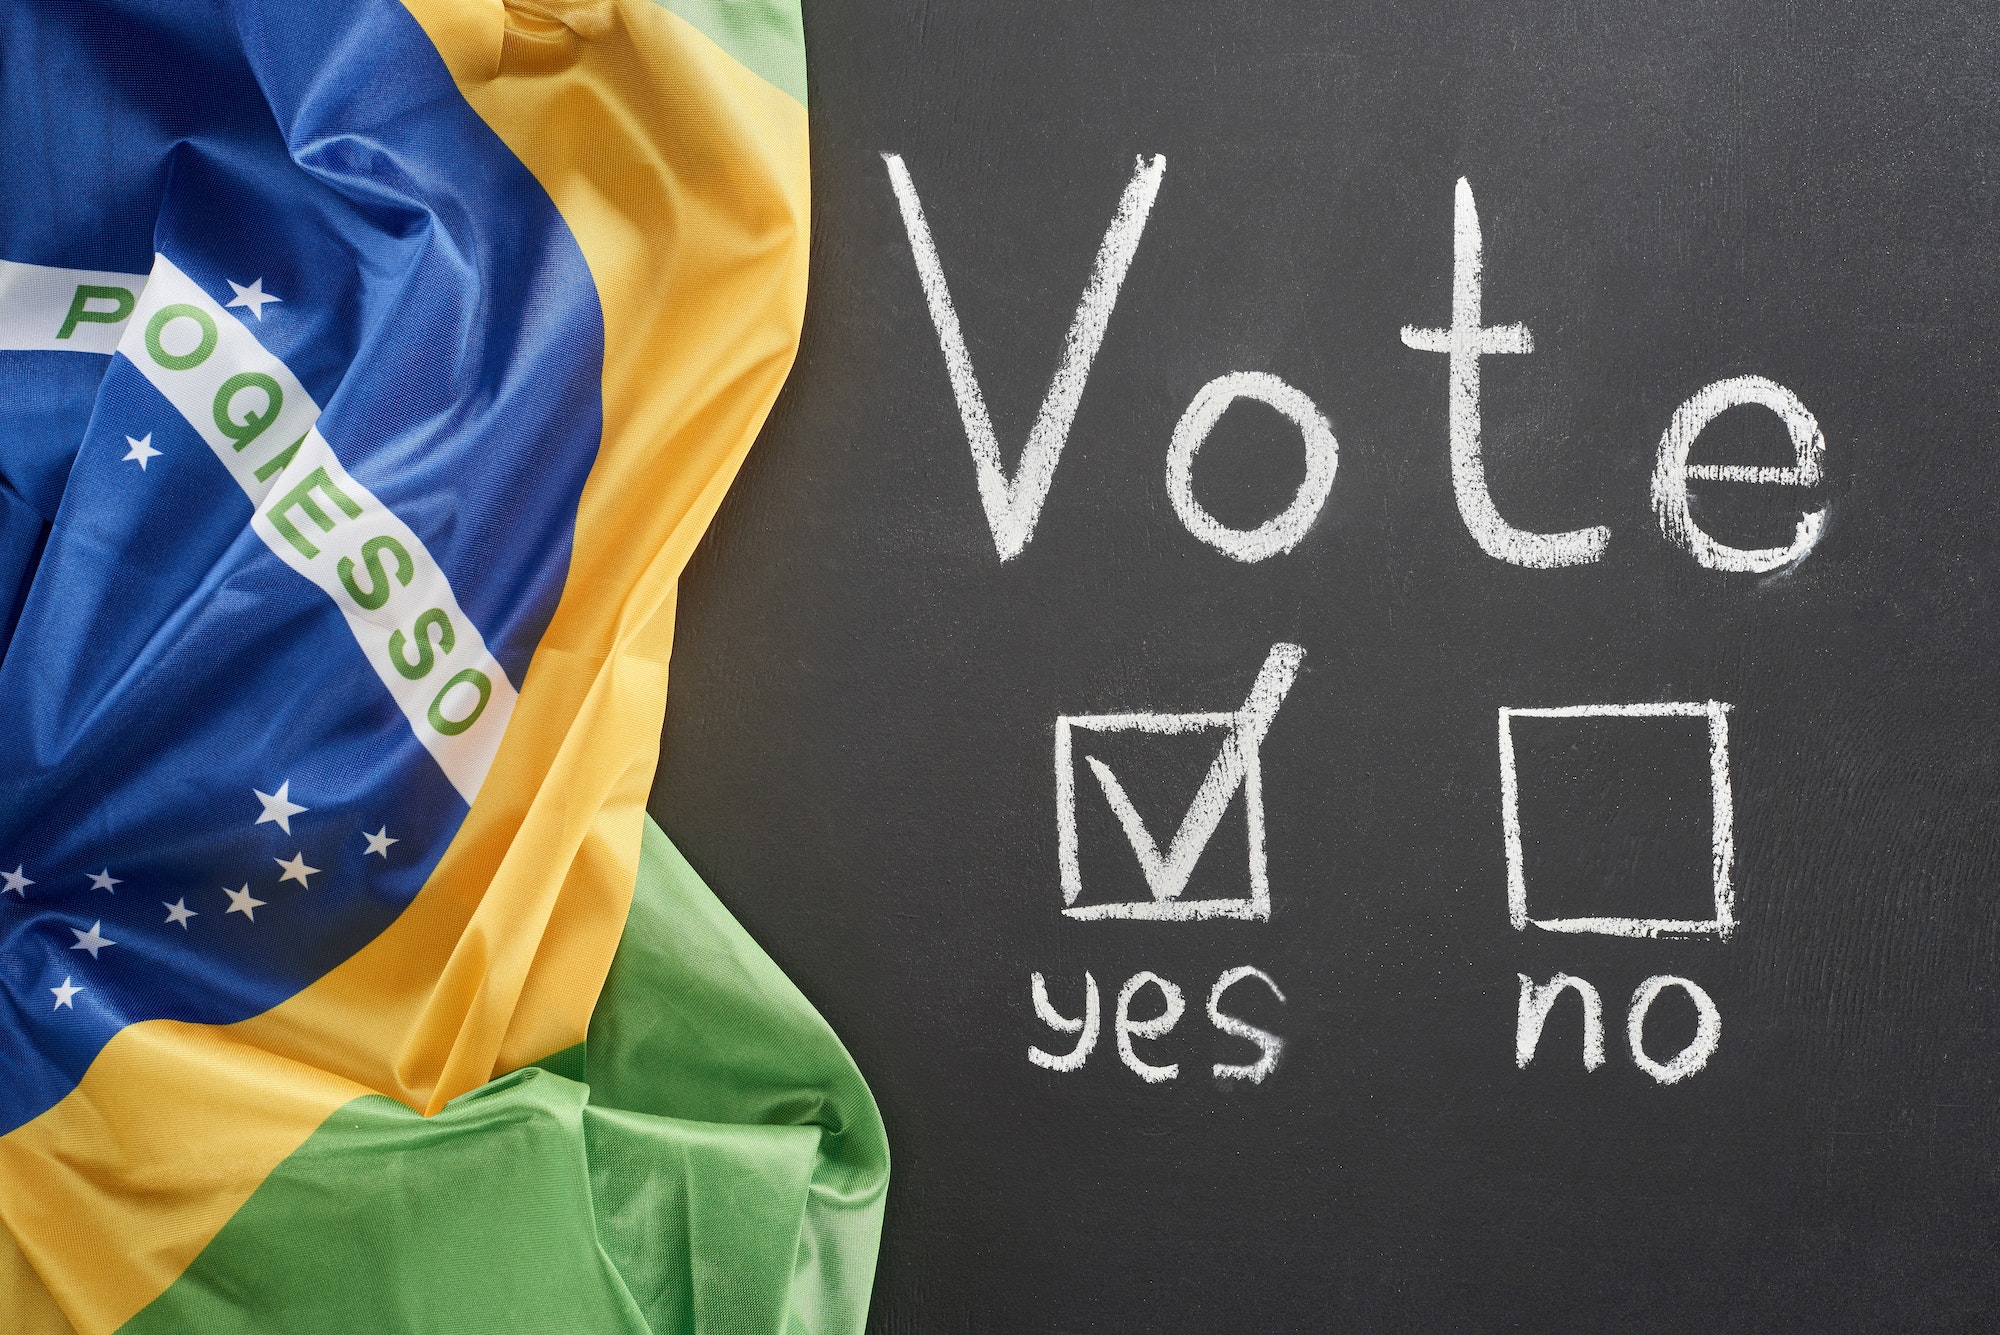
(338, 601)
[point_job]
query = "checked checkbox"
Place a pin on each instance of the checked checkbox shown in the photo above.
(1236, 766)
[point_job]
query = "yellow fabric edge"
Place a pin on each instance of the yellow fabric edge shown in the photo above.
(185, 1122)
(657, 147)
(25, 1301)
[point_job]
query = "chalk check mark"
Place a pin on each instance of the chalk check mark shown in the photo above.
(1167, 872)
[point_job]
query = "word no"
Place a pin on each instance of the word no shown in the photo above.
(1538, 999)
(1013, 505)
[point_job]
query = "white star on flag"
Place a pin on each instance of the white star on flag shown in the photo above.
(240, 901)
(15, 882)
(92, 940)
(142, 450)
(104, 880)
(179, 912)
(296, 870)
(253, 296)
(279, 806)
(379, 842)
(64, 993)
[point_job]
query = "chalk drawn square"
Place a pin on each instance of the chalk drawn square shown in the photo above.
(1237, 765)
(1713, 716)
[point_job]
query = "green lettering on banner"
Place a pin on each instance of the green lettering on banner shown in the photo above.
(122, 300)
(315, 517)
(181, 361)
(253, 423)
(300, 497)
(378, 578)
(271, 467)
(452, 727)
(445, 640)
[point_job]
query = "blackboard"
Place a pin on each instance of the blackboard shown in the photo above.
(863, 724)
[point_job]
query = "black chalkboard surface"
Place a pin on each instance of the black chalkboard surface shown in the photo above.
(1722, 743)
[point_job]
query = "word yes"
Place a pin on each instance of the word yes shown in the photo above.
(1159, 1026)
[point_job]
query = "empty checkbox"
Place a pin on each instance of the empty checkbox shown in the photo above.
(1618, 818)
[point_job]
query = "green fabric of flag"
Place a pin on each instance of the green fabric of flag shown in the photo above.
(709, 1161)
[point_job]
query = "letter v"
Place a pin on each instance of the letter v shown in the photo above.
(1012, 507)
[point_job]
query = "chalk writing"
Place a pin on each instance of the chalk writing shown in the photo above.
(1013, 506)
(1464, 343)
(1538, 999)
(1282, 531)
(1671, 476)
(1268, 1043)
(1084, 1028)
(1152, 1028)
(1722, 829)
(1236, 765)
(1692, 1058)
(1158, 1026)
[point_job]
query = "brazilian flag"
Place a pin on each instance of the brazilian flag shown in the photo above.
(369, 370)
